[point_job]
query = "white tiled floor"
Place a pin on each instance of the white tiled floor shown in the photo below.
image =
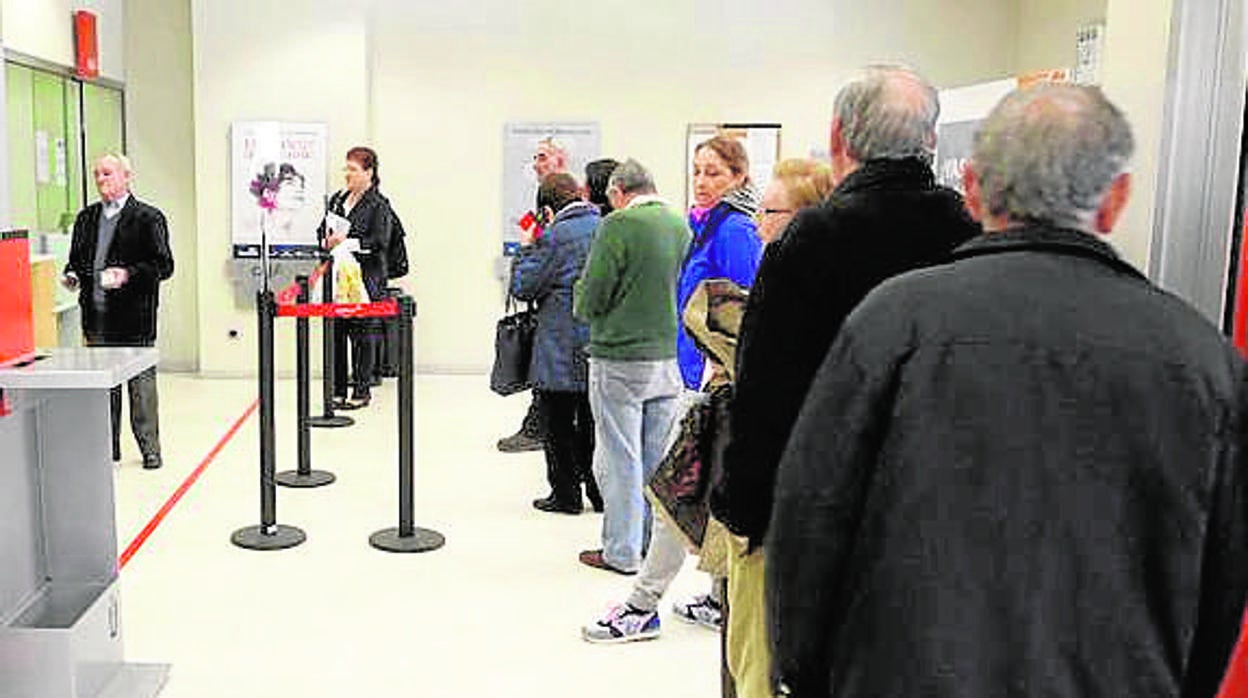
(496, 613)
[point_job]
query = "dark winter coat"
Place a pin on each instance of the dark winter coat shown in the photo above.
(886, 218)
(371, 224)
(1018, 474)
(141, 246)
(545, 273)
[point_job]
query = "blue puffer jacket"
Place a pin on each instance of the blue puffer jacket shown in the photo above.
(544, 273)
(725, 246)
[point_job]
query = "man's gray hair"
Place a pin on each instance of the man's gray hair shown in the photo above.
(1048, 154)
(631, 178)
(889, 112)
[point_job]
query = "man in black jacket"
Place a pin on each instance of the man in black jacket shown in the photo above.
(118, 256)
(1022, 472)
(886, 216)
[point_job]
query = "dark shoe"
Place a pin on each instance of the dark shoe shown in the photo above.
(593, 558)
(151, 461)
(555, 505)
(519, 442)
(594, 496)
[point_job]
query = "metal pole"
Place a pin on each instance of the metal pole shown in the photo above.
(304, 476)
(328, 418)
(406, 538)
(406, 415)
(268, 535)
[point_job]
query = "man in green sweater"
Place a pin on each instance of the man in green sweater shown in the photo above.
(627, 294)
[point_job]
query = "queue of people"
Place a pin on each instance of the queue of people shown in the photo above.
(967, 450)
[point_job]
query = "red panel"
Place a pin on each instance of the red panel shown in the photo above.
(1235, 683)
(17, 325)
(86, 45)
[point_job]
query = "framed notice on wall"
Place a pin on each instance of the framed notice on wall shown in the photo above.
(277, 187)
(762, 145)
(582, 141)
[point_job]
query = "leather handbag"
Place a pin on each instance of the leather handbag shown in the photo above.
(513, 350)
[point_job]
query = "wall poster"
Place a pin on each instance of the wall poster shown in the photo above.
(278, 177)
(581, 140)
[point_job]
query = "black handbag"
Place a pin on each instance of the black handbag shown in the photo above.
(513, 350)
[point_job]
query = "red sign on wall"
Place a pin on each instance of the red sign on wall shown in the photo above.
(86, 45)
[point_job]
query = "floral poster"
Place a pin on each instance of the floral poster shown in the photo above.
(277, 187)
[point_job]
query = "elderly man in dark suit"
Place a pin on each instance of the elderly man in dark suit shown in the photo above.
(117, 259)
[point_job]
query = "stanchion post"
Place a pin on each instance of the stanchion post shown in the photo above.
(304, 476)
(406, 538)
(269, 535)
(327, 418)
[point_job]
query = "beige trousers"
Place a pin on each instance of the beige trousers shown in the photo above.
(749, 657)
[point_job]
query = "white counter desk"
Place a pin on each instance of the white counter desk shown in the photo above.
(60, 620)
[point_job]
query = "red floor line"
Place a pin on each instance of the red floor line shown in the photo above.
(151, 526)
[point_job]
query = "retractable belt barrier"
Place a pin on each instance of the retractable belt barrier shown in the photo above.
(327, 419)
(269, 535)
(304, 475)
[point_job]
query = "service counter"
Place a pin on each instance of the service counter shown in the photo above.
(60, 619)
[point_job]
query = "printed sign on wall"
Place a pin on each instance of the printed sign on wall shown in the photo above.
(277, 187)
(582, 143)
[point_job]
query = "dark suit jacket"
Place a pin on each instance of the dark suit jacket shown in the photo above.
(1021, 473)
(886, 218)
(141, 247)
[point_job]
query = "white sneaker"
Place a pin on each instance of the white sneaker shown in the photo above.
(700, 610)
(622, 623)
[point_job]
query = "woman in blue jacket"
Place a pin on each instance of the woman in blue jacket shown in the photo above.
(547, 267)
(725, 239)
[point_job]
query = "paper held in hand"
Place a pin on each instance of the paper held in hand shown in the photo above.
(336, 224)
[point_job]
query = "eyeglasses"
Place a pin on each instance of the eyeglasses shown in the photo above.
(764, 212)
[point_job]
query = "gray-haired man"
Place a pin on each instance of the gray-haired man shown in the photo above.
(886, 216)
(117, 258)
(627, 294)
(1023, 472)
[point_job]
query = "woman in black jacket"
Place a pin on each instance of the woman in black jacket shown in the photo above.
(369, 213)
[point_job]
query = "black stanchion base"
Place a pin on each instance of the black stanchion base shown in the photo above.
(421, 540)
(278, 537)
(315, 478)
(330, 422)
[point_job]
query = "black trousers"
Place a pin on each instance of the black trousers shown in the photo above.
(362, 334)
(534, 424)
(569, 444)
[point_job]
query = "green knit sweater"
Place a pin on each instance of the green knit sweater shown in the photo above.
(627, 292)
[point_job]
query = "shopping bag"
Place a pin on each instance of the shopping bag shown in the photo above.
(513, 350)
(348, 277)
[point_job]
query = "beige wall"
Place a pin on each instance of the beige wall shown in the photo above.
(448, 77)
(160, 125)
(256, 60)
(431, 85)
(44, 29)
(1134, 76)
(1046, 31)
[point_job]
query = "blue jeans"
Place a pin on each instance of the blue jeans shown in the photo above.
(634, 405)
